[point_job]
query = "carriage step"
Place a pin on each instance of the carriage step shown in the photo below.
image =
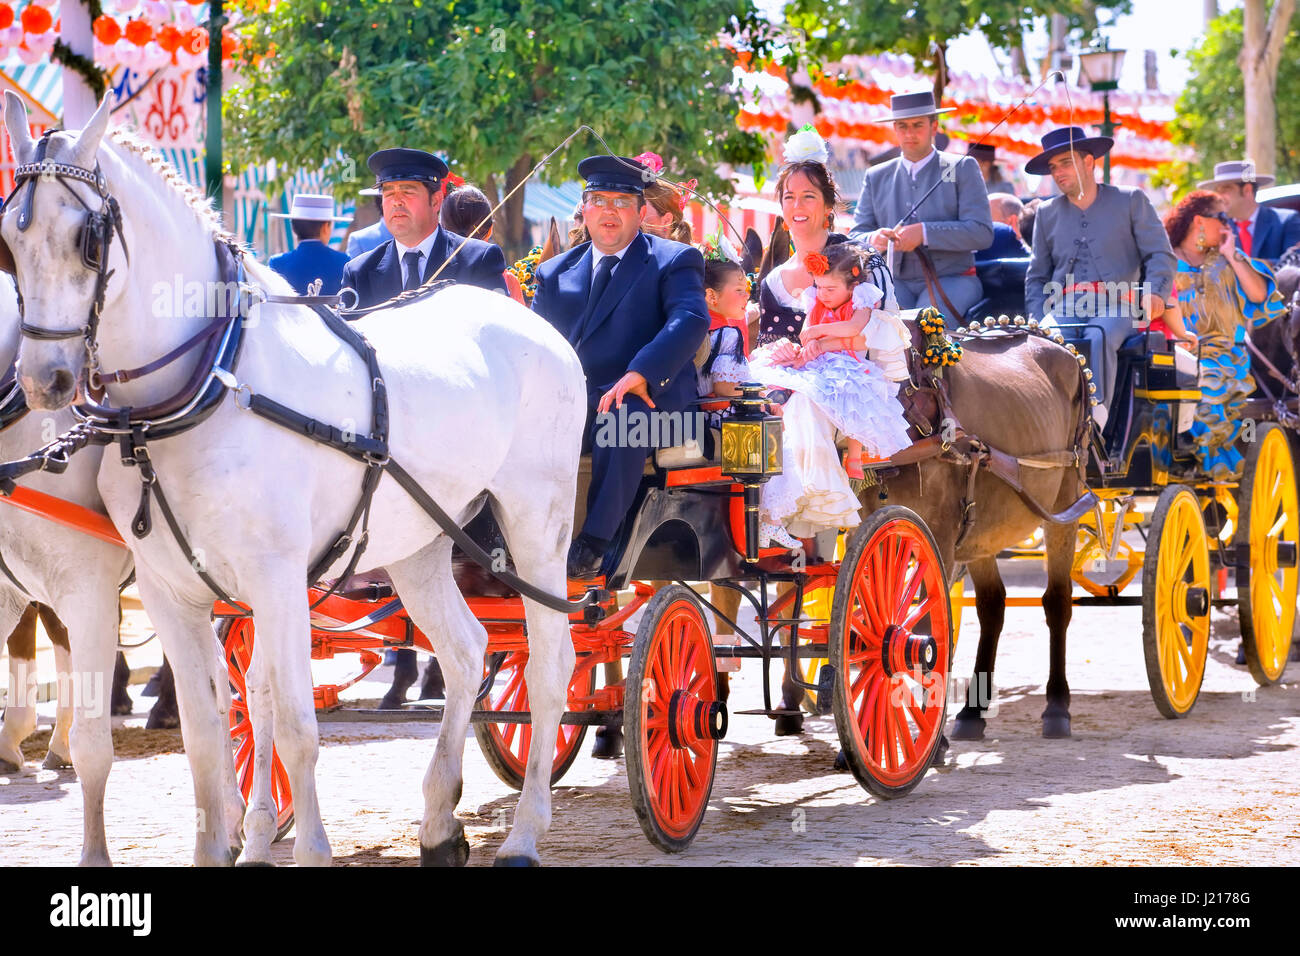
(768, 713)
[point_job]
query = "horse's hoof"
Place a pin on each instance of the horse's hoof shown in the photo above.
(453, 852)
(162, 718)
(516, 860)
(940, 758)
(789, 725)
(53, 761)
(1241, 654)
(392, 701)
(8, 766)
(249, 863)
(1056, 728)
(841, 762)
(968, 728)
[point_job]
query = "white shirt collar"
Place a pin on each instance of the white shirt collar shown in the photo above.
(1254, 217)
(425, 247)
(597, 255)
(916, 167)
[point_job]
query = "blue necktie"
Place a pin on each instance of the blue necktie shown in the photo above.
(598, 284)
(412, 262)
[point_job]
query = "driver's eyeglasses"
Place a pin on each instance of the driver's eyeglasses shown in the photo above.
(606, 202)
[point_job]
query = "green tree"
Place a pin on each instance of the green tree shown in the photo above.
(497, 85)
(923, 28)
(1211, 110)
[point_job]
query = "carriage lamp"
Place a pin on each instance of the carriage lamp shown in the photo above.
(751, 453)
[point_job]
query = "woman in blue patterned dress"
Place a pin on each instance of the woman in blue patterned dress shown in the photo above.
(1224, 294)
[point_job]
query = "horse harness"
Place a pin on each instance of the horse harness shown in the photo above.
(938, 433)
(221, 339)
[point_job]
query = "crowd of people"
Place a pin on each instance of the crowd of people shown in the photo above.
(657, 322)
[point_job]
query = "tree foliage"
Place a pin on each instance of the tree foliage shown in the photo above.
(1211, 110)
(835, 28)
(497, 85)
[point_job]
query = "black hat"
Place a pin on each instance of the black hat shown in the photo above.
(614, 174)
(406, 165)
(982, 151)
(1065, 138)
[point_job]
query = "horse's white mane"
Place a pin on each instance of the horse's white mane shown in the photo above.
(130, 146)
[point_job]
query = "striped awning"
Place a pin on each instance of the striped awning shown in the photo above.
(541, 202)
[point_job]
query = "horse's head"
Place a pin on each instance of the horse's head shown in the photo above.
(56, 235)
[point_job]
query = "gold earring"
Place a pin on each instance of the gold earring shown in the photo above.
(1200, 241)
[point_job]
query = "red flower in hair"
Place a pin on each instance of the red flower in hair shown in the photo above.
(454, 181)
(816, 263)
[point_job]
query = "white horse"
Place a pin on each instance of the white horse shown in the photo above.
(484, 397)
(78, 576)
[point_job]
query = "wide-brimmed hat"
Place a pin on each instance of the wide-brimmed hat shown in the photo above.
(406, 165)
(1065, 138)
(313, 208)
(614, 174)
(912, 105)
(1237, 171)
(982, 151)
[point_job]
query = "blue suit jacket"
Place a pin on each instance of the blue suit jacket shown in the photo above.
(310, 261)
(1276, 231)
(1006, 245)
(377, 274)
(650, 319)
(363, 240)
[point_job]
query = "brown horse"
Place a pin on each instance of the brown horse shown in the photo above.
(1023, 395)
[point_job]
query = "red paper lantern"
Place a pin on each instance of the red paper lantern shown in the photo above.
(169, 38)
(139, 32)
(196, 40)
(228, 45)
(36, 19)
(6, 16)
(107, 30)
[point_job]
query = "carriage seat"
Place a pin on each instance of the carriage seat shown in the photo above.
(1003, 283)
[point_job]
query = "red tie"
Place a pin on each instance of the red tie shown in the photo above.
(1243, 229)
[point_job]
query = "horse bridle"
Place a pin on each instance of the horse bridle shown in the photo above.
(94, 238)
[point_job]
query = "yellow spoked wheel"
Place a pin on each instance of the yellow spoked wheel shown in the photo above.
(817, 607)
(1176, 601)
(1269, 525)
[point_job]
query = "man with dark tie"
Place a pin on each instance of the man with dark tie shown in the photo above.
(410, 182)
(632, 305)
(1262, 231)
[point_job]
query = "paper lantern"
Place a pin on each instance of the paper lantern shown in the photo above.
(6, 16)
(138, 32)
(196, 40)
(156, 11)
(28, 55)
(107, 30)
(45, 3)
(169, 38)
(126, 6)
(37, 19)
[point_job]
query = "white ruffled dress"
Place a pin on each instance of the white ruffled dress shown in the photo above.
(835, 394)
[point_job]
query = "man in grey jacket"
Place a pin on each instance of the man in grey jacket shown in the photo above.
(931, 205)
(1101, 257)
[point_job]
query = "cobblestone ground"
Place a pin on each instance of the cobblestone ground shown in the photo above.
(1219, 787)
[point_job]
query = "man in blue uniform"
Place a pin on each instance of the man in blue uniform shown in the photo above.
(1262, 231)
(411, 184)
(312, 219)
(633, 307)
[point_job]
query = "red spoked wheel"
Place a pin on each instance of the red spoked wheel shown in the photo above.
(239, 650)
(505, 746)
(672, 719)
(890, 643)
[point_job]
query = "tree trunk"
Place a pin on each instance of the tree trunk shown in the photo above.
(1263, 34)
(940, 72)
(512, 231)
